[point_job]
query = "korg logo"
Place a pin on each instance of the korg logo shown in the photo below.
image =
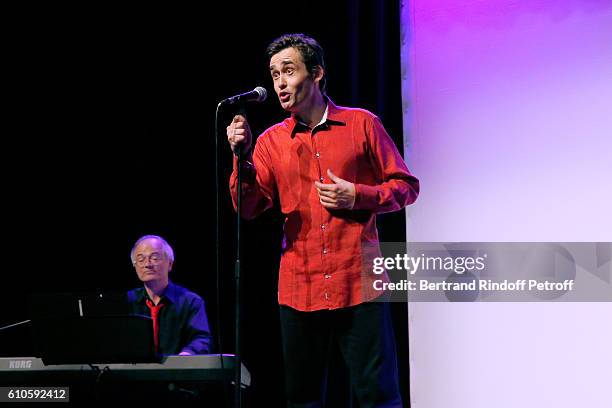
(20, 364)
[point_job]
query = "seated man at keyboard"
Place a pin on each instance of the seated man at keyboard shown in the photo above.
(180, 325)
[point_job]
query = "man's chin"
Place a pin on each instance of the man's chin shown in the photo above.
(289, 106)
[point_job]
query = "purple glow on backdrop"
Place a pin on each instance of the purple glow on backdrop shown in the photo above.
(511, 122)
(508, 125)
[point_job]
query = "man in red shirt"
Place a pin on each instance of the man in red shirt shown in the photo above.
(333, 169)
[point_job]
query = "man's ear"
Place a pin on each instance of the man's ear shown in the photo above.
(170, 263)
(319, 74)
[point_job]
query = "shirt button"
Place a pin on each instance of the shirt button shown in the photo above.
(322, 226)
(324, 250)
(326, 296)
(317, 154)
(327, 276)
(321, 179)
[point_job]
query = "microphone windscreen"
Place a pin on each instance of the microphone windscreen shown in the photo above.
(263, 94)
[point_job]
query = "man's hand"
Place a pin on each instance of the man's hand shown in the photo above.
(185, 353)
(340, 195)
(239, 134)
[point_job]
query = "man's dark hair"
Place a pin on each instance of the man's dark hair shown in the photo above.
(309, 49)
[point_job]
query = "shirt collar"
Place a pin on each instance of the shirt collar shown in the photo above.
(332, 115)
(168, 295)
(322, 121)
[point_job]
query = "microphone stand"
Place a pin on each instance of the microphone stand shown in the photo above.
(237, 281)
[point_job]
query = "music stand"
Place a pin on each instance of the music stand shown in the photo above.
(88, 329)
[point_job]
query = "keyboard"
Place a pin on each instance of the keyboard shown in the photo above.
(209, 367)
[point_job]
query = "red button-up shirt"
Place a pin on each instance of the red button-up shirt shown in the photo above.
(326, 260)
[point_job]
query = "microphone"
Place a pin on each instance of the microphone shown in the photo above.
(258, 94)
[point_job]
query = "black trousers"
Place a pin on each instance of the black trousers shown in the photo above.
(364, 335)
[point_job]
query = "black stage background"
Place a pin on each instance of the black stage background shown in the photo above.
(108, 135)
